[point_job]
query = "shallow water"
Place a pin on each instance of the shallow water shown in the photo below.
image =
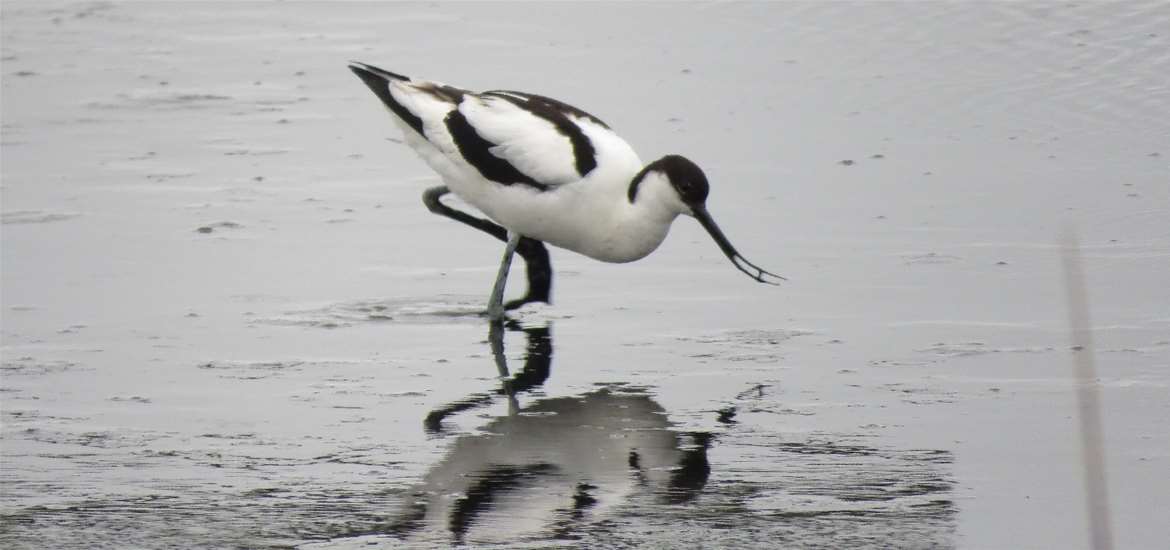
(229, 321)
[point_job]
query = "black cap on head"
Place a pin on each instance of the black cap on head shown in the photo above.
(688, 179)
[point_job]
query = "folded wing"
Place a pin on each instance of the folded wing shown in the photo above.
(546, 145)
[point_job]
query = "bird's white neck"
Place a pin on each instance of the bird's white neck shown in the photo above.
(636, 228)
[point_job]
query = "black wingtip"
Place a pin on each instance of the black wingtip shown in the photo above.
(366, 71)
(378, 81)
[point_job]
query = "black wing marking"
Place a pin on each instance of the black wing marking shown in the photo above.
(550, 103)
(477, 152)
(584, 154)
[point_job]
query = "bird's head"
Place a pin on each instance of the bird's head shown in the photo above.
(674, 181)
(682, 186)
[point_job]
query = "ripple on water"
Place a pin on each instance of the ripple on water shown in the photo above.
(438, 310)
(35, 216)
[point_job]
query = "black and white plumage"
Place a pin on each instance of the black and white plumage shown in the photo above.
(545, 171)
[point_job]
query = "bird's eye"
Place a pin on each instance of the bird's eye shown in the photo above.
(689, 191)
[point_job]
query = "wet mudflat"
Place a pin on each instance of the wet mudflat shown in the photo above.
(228, 321)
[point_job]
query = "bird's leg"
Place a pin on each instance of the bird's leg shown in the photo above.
(496, 301)
(539, 269)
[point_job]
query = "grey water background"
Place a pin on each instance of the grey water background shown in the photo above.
(228, 321)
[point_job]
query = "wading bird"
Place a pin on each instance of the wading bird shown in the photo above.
(543, 171)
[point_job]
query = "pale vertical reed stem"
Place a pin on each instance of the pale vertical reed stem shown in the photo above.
(1088, 395)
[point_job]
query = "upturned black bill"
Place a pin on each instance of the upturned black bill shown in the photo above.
(754, 271)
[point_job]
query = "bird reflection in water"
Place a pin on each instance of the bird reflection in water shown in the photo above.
(549, 468)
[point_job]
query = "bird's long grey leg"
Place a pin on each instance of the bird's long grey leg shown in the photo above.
(536, 260)
(496, 301)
